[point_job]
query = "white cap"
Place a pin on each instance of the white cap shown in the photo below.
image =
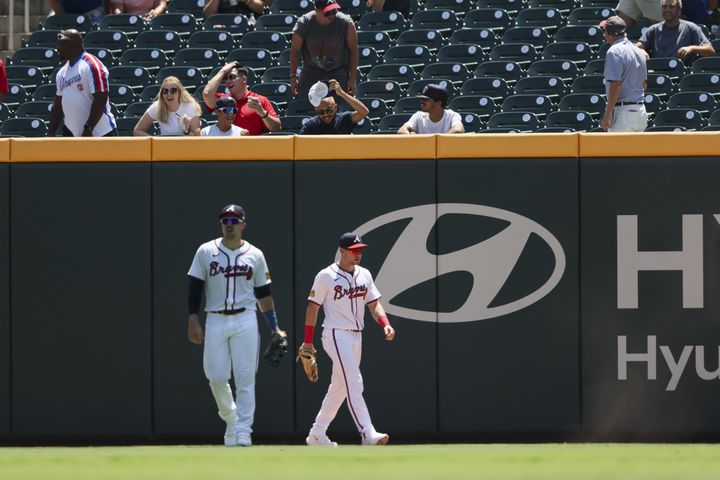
(317, 93)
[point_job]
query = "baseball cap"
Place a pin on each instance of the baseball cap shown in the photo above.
(326, 5)
(317, 92)
(225, 102)
(614, 26)
(435, 92)
(232, 210)
(351, 240)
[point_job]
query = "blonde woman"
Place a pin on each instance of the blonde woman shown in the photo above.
(174, 109)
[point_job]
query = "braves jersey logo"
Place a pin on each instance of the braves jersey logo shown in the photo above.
(231, 271)
(66, 82)
(358, 292)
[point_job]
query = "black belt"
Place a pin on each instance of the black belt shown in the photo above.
(229, 312)
(629, 103)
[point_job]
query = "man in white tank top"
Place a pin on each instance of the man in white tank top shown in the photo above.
(343, 289)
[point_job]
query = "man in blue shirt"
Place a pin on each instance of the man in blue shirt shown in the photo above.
(328, 121)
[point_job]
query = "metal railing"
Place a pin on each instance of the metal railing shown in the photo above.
(11, 23)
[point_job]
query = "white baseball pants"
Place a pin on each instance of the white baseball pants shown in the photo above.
(344, 348)
(629, 118)
(232, 342)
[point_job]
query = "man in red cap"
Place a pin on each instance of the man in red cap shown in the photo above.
(326, 39)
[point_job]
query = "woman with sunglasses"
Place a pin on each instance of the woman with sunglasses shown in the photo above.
(176, 112)
(326, 41)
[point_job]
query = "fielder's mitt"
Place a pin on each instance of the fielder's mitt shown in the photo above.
(276, 350)
(306, 353)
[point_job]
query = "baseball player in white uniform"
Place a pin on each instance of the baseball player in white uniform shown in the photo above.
(235, 278)
(343, 289)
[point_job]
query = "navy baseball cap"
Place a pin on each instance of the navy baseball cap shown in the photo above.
(435, 92)
(351, 240)
(233, 210)
(225, 102)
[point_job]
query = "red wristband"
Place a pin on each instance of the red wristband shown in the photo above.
(309, 331)
(383, 321)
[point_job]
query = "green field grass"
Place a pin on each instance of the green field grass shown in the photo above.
(444, 462)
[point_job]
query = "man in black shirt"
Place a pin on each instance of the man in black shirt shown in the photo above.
(328, 121)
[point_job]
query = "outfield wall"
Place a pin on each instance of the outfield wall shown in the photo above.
(556, 286)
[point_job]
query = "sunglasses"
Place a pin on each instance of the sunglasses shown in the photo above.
(330, 13)
(322, 112)
(170, 90)
(230, 78)
(228, 110)
(230, 220)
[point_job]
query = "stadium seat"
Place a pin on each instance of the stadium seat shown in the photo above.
(390, 22)
(259, 59)
(442, 20)
(40, 57)
(499, 130)
(666, 128)
(417, 86)
(483, 37)
(471, 122)
(578, 52)
(417, 56)
(653, 104)
(554, 130)
(547, 18)
(104, 55)
(300, 106)
(166, 40)
(460, 7)
(281, 23)
(293, 7)
(591, 16)
(432, 39)
(672, 67)
(564, 69)
(706, 65)
(45, 92)
(28, 76)
(128, 23)
(293, 123)
(714, 119)
(401, 73)
(591, 103)
(182, 23)
(521, 121)
(191, 78)
(576, 120)
(380, 41)
(494, 87)
(407, 105)
(219, 40)
(563, 6)
(535, 36)
(153, 59)
(590, 34)
(135, 76)
(354, 8)
(149, 93)
(277, 92)
(364, 127)
(467, 54)
(660, 84)
(272, 41)
(66, 21)
(482, 105)
(235, 23)
(24, 127)
(457, 73)
(510, 6)
(15, 96)
(595, 67)
(368, 58)
(4, 112)
(540, 105)
(553, 87)
(122, 95)
(137, 109)
(598, 3)
(377, 106)
(588, 84)
(42, 38)
(687, 118)
(204, 59)
(35, 109)
(700, 82)
(193, 7)
(126, 125)
(392, 122)
(116, 41)
(703, 102)
(511, 72)
(276, 74)
(521, 53)
(496, 19)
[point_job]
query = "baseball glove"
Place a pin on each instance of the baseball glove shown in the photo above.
(276, 350)
(306, 354)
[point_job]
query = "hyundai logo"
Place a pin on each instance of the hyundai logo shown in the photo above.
(490, 262)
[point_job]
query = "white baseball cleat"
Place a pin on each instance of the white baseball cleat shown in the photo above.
(320, 441)
(230, 436)
(376, 438)
(243, 440)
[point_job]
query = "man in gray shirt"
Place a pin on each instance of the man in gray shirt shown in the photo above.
(675, 37)
(326, 39)
(625, 80)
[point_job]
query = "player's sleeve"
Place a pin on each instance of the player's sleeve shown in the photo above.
(198, 268)
(261, 276)
(97, 77)
(319, 290)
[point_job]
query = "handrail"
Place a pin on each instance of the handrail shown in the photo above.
(11, 22)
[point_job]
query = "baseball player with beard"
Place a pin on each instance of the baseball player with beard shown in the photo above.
(235, 278)
(343, 289)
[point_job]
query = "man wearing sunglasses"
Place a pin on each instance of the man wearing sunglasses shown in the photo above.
(255, 112)
(325, 39)
(235, 278)
(82, 92)
(328, 121)
(226, 109)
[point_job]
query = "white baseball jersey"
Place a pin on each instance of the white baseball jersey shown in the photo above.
(76, 84)
(343, 296)
(229, 275)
